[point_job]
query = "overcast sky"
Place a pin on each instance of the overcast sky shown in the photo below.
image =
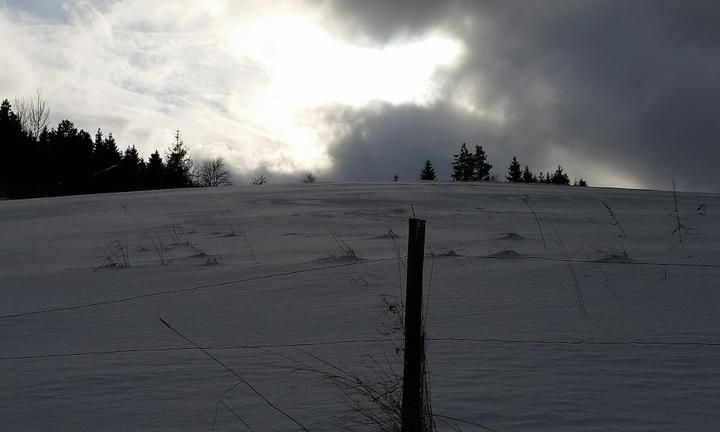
(623, 93)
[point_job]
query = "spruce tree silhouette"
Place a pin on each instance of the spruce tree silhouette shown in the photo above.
(131, 170)
(105, 164)
(480, 167)
(98, 152)
(428, 172)
(528, 176)
(462, 165)
(514, 174)
(15, 146)
(155, 172)
(559, 177)
(72, 155)
(178, 165)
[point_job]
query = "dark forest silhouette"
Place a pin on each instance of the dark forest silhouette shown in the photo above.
(66, 160)
(36, 161)
(475, 167)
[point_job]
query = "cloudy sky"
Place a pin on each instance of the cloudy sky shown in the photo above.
(623, 93)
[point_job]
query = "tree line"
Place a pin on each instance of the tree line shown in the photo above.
(38, 161)
(467, 166)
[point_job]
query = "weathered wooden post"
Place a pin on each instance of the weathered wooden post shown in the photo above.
(413, 377)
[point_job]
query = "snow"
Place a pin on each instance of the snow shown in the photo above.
(508, 347)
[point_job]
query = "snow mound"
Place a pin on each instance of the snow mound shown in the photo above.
(614, 258)
(333, 259)
(447, 253)
(506, 254)
(512, 236)
(387, 235)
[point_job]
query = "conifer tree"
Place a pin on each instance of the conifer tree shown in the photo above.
(581, 182)
(514, 174)
(559, 177)
(71, 153)
(112, 153)
(428, 172)
(480, 168)
(155, 172)
(131, 169)
(98, 151)
(528, 176)
(105, 162)
(462, 165)
(178, 165)
(15, 153)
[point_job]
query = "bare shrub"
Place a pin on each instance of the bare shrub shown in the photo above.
(115, 255)
(347, 250)
(157, 244)
(616, 221)
(309, 178)
(259, 180)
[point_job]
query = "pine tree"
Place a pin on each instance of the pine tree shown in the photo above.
(480, 168)
(16, 151)
(44, 163)
(428, 172)
(131, 169)
(72, 156)
(462, 165)
(105, 162)
(98, 151)
(112, 153)
(178, 165)
(559, 177)
(514, 174)
(155, 172)
(528, 176)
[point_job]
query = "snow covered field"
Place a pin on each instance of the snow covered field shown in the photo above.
(83, 348)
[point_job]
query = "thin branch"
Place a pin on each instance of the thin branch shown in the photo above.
(614, 217)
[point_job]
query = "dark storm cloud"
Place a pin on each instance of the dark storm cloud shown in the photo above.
(388, 139)
(627, 88)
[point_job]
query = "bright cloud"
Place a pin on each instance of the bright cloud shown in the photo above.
(236, 78)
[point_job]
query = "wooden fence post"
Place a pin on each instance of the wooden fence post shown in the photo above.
(412, 415)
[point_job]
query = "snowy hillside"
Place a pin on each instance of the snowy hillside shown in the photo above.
(263, 278)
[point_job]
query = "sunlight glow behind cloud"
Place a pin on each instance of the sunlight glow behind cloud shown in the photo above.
(307, 68)
(238, 81)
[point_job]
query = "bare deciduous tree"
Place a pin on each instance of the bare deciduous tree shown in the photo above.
(33, 113)
(212, 173)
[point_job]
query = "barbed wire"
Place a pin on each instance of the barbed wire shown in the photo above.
(637, 343)
(597, 261)
(330, 267)
(194, 288)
